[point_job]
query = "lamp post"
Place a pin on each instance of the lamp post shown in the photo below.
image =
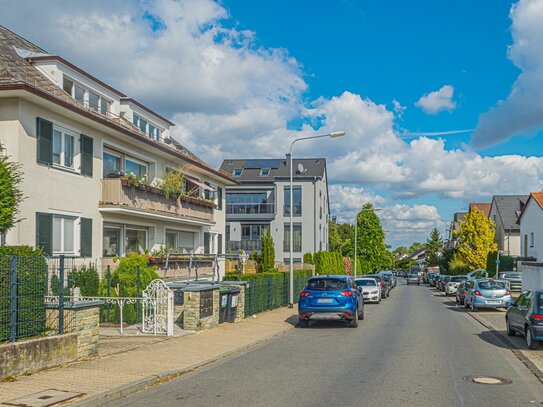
(334, 134)
(356, 233)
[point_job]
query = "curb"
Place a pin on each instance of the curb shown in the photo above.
(125, 390)
(512, 347)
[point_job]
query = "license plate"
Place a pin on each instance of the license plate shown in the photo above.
(324, 300)
(493, 302)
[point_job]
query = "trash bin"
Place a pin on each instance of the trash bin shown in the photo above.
(233, 304)
(224, 304)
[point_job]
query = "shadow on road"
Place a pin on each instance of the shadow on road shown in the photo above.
(493, 338)
(292, 320)
(327, 325)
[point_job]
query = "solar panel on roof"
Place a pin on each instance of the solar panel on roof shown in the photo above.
(262, 164)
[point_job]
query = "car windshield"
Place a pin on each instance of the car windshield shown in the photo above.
(540, 301)
(511, 275)
(457, 279)
(366, 283)
(324, 284)
(413, 276)
(491, 285)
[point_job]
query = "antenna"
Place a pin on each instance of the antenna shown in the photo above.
(301, 168)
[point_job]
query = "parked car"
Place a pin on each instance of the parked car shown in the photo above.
(477, 274)
(429, 277)
(330, 298)
(514, 278)
(385, 285)
(432, 281)
(391, 275)
(488, 294)
(453, 283)
(461, 292)
(413, 279)
(525, 317)
(437, 281)
(371, 291)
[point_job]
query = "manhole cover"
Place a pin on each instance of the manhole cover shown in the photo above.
(43, 398)
(487, 380)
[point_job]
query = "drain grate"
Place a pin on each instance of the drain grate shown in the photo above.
(487, 380)
(43, 398)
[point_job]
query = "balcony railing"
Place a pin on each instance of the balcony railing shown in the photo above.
(250, 209)
(247, 245)
(117, 192)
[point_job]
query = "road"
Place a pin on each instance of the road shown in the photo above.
(414, 349)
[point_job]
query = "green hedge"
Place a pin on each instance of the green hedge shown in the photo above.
(329, 263)
(85, 277)
(507, 263)
(265, 291)
(31, 290)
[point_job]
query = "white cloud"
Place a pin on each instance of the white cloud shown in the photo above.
(398, 108)
(522, 111)
(438, 100)
(346, 201)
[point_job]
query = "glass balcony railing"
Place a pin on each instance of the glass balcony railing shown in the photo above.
(250, 209)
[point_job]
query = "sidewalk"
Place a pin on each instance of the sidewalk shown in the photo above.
(149, 363)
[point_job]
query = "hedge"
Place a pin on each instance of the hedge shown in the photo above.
(507, 263)
(86, 278)
(31, 290)
(329, 263)
(265, 291)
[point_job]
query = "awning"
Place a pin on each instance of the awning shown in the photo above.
(200, 184)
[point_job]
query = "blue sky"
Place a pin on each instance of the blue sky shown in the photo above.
(244, 78)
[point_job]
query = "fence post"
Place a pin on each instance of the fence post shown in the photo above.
(285, 290)
(12, 298)
(252, 297)
(138, 282)
(270, 292)
(61, 295)
(108, 289)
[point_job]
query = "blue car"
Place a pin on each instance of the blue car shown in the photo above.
(331, 298)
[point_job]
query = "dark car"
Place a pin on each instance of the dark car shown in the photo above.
(525, 317)
(385, 285)
(390, 275)
(330, 298)
(428, 277)
(443, 282)
(463, 287)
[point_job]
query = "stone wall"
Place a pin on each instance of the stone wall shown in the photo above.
(191, 311)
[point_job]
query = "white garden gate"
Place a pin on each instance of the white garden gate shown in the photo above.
(157, 309)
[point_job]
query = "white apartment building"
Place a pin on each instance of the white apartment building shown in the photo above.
(93, 161)
(504, 211)
(261, 203)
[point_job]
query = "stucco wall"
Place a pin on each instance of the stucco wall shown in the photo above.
(532, 222)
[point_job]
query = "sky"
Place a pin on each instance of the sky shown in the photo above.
(440, 99)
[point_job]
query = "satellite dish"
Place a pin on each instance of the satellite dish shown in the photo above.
(301, 168)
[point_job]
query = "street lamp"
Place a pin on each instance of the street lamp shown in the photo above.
(356, 233)
(333, 134)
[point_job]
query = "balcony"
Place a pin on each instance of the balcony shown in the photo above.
(243, 211)
(121, 196)
(247, 245)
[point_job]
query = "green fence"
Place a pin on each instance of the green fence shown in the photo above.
(266, 291)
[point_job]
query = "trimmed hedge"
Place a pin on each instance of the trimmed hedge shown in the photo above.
(329, 263)
(266, 291)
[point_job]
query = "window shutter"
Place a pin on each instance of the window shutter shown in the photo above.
(86, 237)
(44, 232)
(219, 196)
(219, 242)
(44, 136)
(206, 243)
(86, 155)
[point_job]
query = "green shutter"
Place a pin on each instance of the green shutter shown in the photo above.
(86, 237)
(44, 135)
(206, 243)
(86, 155)
(44, 232)
(219, 196)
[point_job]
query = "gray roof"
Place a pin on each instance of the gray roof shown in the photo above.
(509, 208)
(460, 216)
(312, 167)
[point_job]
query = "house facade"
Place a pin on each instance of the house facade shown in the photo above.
(504, 211)
(531, 227)
(94, 164)
(261, 203)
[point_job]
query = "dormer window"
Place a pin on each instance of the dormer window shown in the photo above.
(237, 172)
(146, 127)
(265, 172)
(85, 97)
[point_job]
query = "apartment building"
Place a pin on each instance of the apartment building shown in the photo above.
(94, 163)
(504, 211)
(260, 203)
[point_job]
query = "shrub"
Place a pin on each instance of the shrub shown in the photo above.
(308, 258)
(268, 253)
(507, 263)
(329, 263)
(457, 265)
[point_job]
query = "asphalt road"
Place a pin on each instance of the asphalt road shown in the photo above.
(414, 349)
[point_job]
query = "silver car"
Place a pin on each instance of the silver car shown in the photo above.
(413, 279)
(488, 294)
(371, 291)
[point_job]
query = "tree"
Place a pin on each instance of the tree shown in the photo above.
(268, 253)
(340, 237)
(444, 261)
(433, 244)
(372, 249)
(308, 258)
(476, 239)
(415, 246)
(11, 194)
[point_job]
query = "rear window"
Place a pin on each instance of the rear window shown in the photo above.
(457, 279)
(365, 283)
(324, 284)
(446, 279)
(492, 285)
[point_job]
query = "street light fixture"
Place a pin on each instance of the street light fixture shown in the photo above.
(356, 233)
(333, 134)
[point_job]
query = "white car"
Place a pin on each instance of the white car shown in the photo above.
(370, 289)
(452, 286)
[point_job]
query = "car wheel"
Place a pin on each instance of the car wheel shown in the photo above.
(361, 316)
(510, 332)
(353, 323)
(530, 341)
(304, 323)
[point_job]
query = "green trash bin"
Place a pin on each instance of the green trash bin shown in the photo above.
(224, 303)
(233, 304)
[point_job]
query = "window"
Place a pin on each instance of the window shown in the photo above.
(64, 234)
(237, 172)
(264, 172)
(532, 239)
(146, 127)
(63, 148)
(112, 241)
(94, 101)
(67, 85)
(104, 106)
(180, 241)
(296, 198)
(135, 167)
(136, 240)
(248, 203)
(297, 241)
(254, 232)
(111, 163)
(79, 93)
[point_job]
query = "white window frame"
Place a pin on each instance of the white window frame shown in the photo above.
(137, 161)
(75, 158)
(265, 172)
(120, 249)
(240, 172)
(114, 153)
(177, 232)
(76, 233)
(136, 228)
(86, 95)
